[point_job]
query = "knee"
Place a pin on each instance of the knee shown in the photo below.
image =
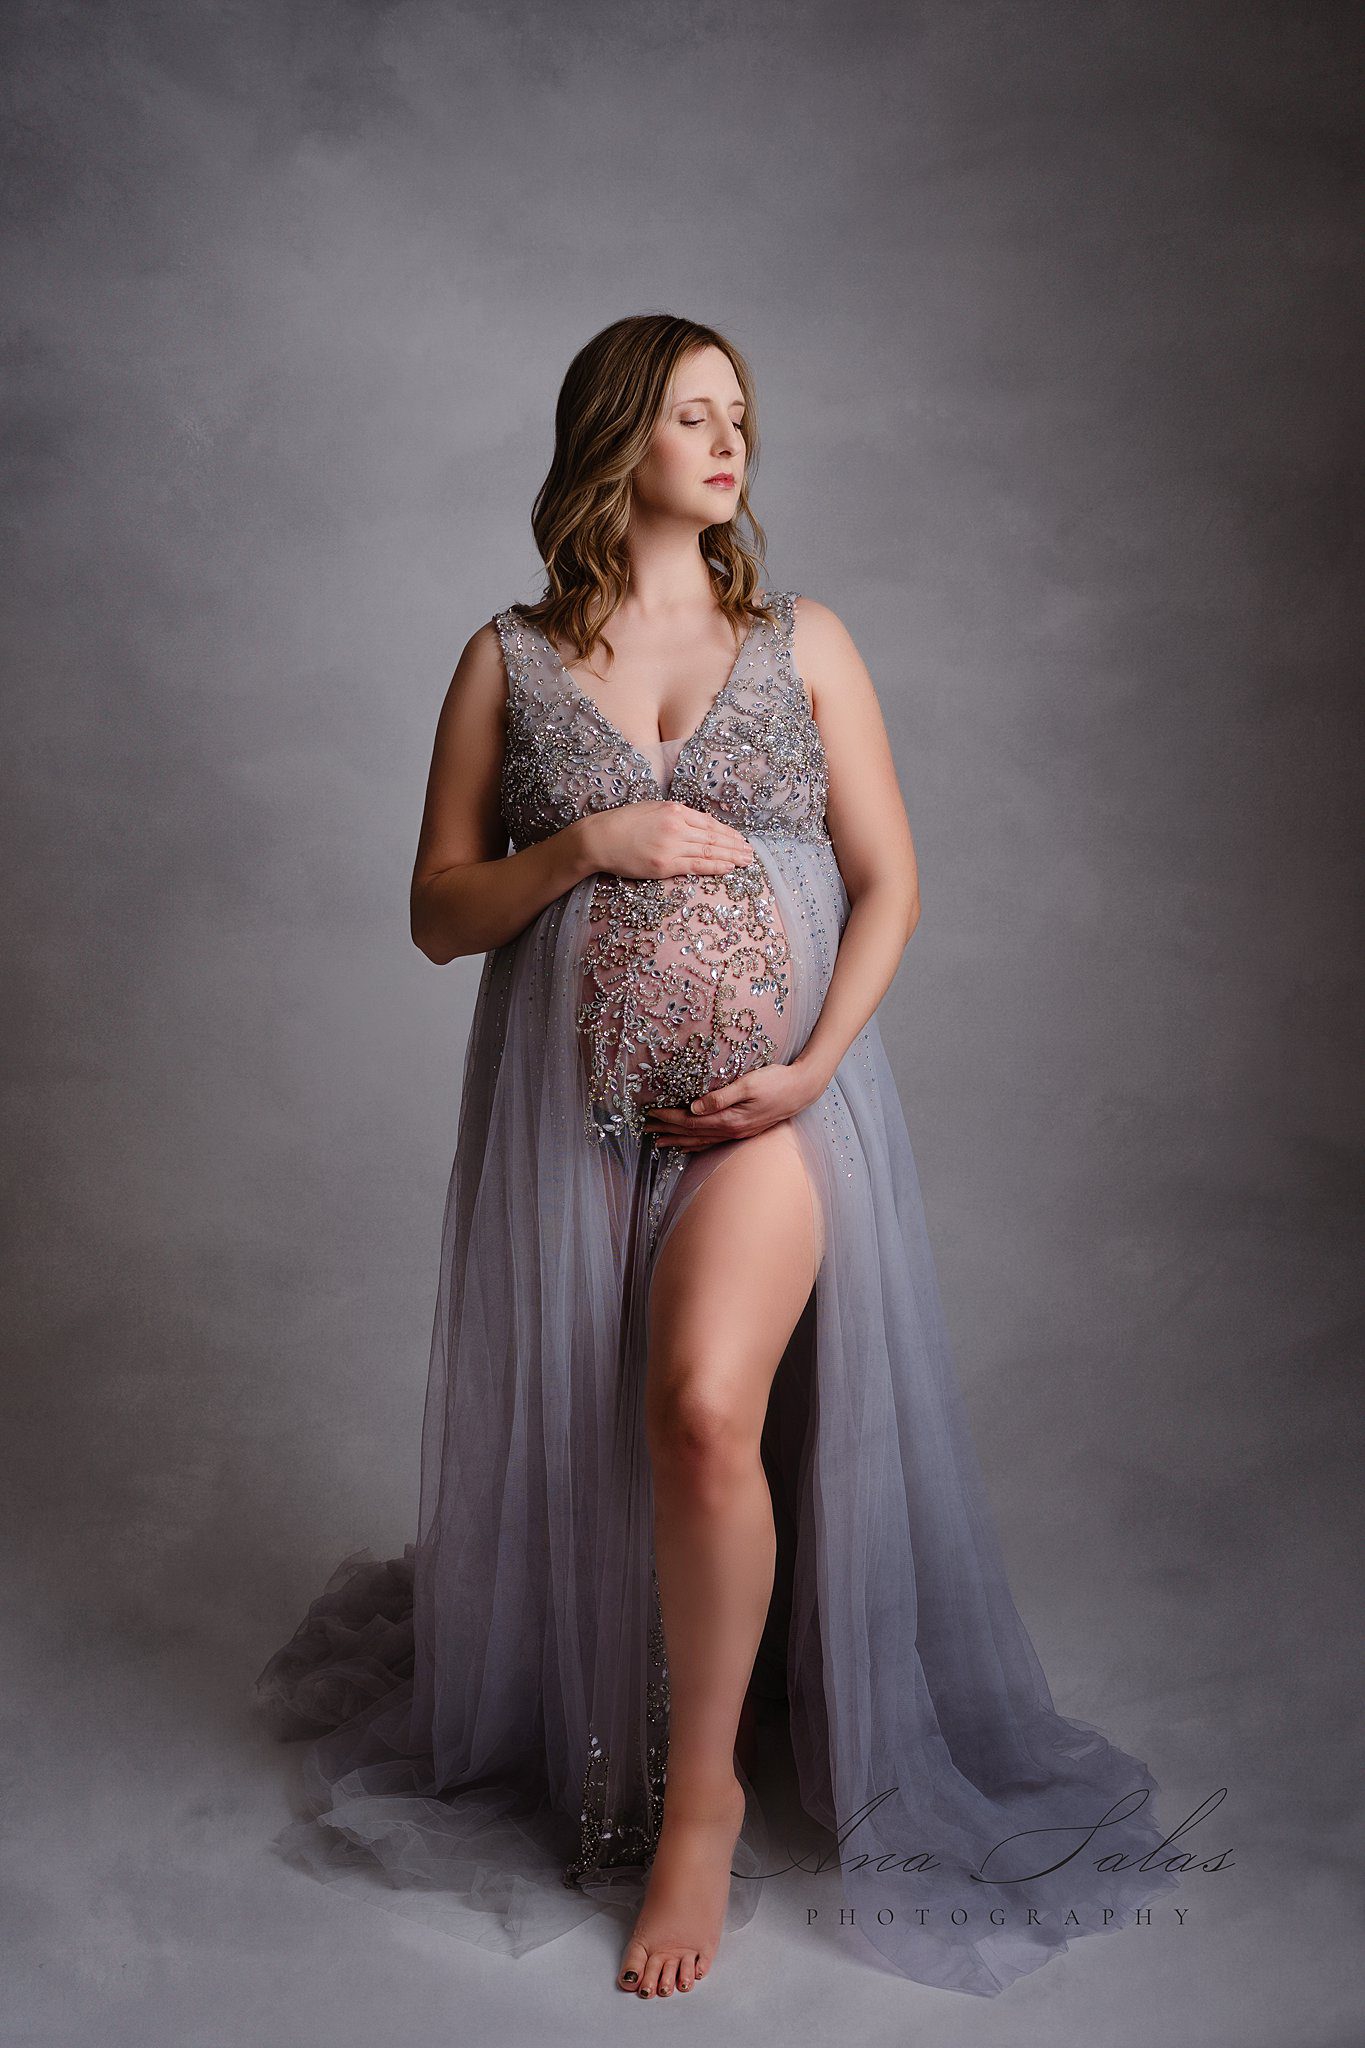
(698, 1436)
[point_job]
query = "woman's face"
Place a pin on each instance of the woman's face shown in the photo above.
(695, 463)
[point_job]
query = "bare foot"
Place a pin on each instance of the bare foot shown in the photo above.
(682, 1918)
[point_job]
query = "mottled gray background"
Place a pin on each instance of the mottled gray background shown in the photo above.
(1057, 352)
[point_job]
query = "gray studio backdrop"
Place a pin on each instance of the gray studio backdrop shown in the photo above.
(1049, 312)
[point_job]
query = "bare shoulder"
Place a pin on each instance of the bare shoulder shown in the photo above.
(865, 810)
(461, 818)
(825, 654)
(480, 680)
(482, 653)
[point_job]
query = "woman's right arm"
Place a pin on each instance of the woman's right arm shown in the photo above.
(468, 893)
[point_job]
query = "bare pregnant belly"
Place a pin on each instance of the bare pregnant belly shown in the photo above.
(683, 986)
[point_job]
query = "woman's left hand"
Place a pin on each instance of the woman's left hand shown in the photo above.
(765, 1096)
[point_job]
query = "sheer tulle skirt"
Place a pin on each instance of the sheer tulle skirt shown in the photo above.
(488, 1714)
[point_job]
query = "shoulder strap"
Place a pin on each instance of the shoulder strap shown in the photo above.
(524, 653)
(783, 603)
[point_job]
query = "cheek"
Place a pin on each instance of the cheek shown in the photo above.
(672, 459)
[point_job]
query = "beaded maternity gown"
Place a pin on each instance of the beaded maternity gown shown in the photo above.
(488, 1714)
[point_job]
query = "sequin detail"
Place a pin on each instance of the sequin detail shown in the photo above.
(755, 760)
(682, 982)
(628, 1834)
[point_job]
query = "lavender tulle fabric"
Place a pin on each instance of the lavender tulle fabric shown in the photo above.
(487, 1715)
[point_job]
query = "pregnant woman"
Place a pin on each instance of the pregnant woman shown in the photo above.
(693, 1445)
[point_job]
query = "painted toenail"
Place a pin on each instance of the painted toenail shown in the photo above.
(631, 1975)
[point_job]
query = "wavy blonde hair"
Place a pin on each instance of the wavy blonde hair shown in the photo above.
(609, 405)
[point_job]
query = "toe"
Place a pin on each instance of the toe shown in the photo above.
(649, 1976)
(687, 1971)
(668, 1977)
(632, 1964)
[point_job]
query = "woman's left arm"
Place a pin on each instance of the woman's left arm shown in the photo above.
(876, 855)
(870, 832)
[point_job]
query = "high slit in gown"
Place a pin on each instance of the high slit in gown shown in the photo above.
(487, 1716)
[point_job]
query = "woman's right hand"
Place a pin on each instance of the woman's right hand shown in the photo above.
(657, 840)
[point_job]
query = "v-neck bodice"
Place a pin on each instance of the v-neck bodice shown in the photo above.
(755, 759)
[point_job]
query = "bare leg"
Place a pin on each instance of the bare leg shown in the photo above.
(728, 1290)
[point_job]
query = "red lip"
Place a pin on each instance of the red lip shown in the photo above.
(722, 476)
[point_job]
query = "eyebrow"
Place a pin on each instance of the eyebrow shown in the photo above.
(701, 401)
